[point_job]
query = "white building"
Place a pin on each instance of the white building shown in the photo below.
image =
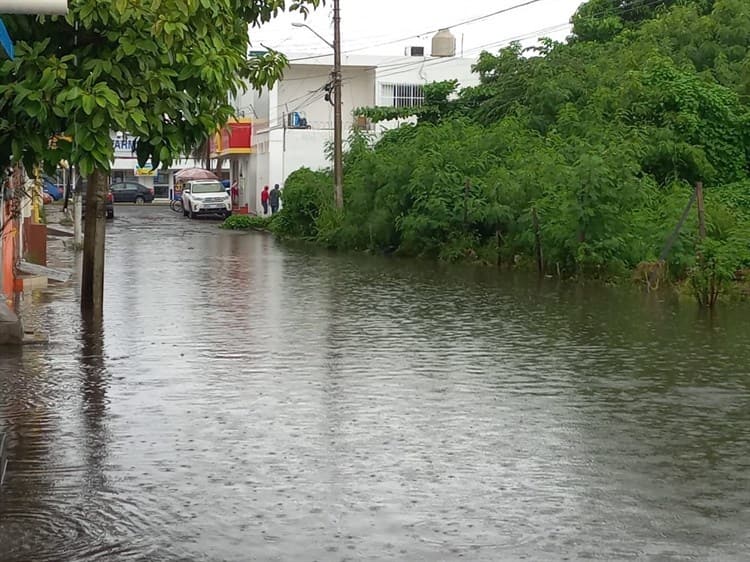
(292, 124)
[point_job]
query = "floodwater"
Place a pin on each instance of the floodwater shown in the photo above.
(246, 400)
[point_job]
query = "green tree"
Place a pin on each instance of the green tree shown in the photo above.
(601, 20)
(599, 141)
(161, 71)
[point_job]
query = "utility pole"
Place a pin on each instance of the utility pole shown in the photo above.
(338, 167)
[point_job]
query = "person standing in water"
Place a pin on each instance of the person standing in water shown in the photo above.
(274, 198)
(264, 199)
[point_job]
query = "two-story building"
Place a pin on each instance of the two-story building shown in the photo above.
(291, 126)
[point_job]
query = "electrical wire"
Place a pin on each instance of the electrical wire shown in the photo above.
(459, 24)
(397, 68)
(400, 65)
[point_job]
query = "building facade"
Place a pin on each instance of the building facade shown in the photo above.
(125, 167)
(292, 124)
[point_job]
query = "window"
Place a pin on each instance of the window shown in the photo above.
(401, 95)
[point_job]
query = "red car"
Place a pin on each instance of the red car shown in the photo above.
(110, 205)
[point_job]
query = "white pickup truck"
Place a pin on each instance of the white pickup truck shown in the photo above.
(205, 197)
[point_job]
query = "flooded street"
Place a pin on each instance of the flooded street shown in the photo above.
(249, 400)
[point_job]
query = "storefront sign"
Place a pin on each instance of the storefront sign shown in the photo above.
(124, 145)
(147, 170)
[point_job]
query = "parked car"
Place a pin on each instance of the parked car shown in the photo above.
(51, 189)
(132, 192)
(109, 206)
(205, 197)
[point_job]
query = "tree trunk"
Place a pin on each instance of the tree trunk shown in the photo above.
(92, 275)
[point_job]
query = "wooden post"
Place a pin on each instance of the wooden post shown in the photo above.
(499, 241)
(467, 187)
(701, 209)
(92, 274)
(537, 242)
(671, 240)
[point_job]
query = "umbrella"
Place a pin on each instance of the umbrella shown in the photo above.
(188, 174)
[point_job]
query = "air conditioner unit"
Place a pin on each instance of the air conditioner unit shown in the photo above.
(297, 120)
(414, 51)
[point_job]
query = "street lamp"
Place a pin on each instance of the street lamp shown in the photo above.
(326, 41)
(338, 168)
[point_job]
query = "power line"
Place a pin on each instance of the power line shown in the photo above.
(396, 68)
(432, 62)
(459, 24)
(416, 61)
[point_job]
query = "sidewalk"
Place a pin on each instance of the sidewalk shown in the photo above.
(61, 267)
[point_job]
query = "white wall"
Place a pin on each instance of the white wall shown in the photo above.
(301, 91)
(279, 150)
(306, 149)
(250, 103)
(423, 70)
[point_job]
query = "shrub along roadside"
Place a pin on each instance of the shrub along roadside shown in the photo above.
(584, 154)
(246, 222)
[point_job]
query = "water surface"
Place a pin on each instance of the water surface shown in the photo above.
(248, 400)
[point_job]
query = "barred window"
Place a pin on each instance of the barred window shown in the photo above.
(402, 95)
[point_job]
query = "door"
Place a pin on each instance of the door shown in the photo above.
(122, 193)
(132, 191)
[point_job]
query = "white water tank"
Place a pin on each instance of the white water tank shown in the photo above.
(443, 44)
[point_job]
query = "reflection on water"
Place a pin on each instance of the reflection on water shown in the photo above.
(245, 400)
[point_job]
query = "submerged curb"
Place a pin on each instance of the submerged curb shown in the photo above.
(3, 458)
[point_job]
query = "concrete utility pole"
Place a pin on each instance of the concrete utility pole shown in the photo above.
(338, 129)
(338, 164)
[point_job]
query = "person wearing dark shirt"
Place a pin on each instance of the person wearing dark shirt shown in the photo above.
(274, 198)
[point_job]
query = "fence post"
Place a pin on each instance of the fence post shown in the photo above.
(701, 210)
(537, 242)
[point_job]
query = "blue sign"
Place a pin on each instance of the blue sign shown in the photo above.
(6, 41)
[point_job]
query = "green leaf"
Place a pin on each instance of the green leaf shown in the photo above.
(98, 120)
(87, 103)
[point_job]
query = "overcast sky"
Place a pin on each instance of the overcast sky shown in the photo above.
(378, 26)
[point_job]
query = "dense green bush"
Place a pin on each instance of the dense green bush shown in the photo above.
(307, 195)
(602, 137)
(247, 222)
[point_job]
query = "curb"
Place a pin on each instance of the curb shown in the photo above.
(3, 458)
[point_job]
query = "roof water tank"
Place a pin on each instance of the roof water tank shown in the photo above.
(443, 44)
